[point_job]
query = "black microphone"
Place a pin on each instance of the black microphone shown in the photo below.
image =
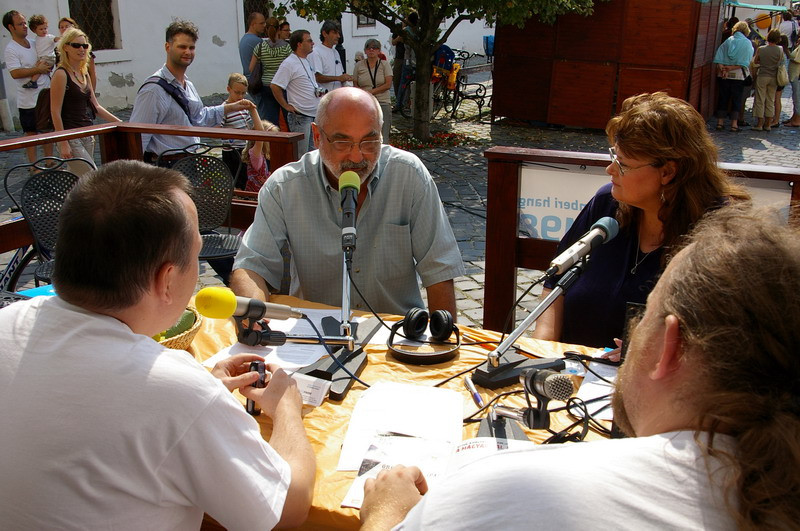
(349, 184)
(545, 385)
(217, 302)
(604, 230)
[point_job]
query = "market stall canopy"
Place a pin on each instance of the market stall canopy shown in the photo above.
(734, 3)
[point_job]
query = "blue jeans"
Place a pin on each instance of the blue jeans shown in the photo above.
(300, 123)
(268, 107)
(405, 82)
(796, 95)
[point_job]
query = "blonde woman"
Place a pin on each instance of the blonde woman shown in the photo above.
(66, 23)
(256, 155)
(72, 100)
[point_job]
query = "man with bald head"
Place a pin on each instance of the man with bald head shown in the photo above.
(403, 232)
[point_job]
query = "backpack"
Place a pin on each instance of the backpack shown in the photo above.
(172, 90)
(444, 57)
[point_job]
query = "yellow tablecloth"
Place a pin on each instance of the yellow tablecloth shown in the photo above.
(326, 425)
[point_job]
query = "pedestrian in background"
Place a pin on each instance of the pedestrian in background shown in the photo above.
(733, 62)
(375, 76)
(768, 58)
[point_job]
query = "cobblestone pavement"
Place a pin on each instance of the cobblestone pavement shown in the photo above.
(461, 176)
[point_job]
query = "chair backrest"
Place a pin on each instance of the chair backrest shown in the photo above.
(16, 177)
(212, 184)
(41, 200)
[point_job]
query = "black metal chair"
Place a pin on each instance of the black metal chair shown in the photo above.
(9, 297)
(212, 184)
(40, 200)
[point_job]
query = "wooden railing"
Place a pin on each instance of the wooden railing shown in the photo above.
(506, 250)
(124, 141)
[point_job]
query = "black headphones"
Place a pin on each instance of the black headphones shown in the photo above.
(414, 324)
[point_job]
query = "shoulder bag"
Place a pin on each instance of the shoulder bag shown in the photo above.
(254, 83)
(783, 75)
(44, 122)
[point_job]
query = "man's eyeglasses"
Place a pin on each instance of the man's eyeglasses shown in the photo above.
(366, 147)
(622, 167)
(77, 45)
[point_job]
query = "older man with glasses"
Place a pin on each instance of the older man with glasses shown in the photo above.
(403, 232)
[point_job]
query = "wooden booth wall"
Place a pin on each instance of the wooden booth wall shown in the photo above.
(578, 71)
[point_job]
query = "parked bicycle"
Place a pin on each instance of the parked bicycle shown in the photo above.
(447, 84)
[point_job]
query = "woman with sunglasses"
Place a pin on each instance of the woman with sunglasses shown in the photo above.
(66, 23)
(664, 178)
(72, 100)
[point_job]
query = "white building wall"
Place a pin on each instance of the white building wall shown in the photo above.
(221, 24)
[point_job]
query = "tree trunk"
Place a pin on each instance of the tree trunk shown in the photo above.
(422, 88)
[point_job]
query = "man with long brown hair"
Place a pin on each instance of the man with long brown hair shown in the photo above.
(709, 394)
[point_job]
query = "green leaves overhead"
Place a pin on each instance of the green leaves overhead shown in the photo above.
(437, 20)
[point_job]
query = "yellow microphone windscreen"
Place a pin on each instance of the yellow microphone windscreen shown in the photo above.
(215, 302)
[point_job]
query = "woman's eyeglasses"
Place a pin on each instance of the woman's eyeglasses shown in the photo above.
(77, 45)
(622, 167)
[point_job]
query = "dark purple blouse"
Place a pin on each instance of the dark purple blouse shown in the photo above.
(594, 307)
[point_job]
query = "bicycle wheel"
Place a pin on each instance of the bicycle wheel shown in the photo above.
(18, 270)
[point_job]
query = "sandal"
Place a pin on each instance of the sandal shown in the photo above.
(719, 127)
(735, 129)
(756, 129)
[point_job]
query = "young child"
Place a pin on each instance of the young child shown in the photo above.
(232, 152)
(45, 45)
(256, 156)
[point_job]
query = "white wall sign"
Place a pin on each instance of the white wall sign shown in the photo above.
(552, 194)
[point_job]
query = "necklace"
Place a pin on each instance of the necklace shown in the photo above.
(636, 261)
(79, 76)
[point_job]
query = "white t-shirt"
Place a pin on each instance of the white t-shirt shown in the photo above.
(327, 62)
(17, 56)
(104, 428)
(786, 27)
(46, 46)
(658, 482)
(296, 77)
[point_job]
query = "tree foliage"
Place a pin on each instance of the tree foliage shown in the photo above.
(429, 34)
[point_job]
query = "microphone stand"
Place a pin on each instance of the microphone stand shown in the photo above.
(498, 424)
(501, 368)
(349, 333)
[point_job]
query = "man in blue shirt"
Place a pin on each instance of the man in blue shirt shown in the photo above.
(168, 97)
(256, 27)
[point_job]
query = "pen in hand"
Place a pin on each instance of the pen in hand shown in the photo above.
(472, 391)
